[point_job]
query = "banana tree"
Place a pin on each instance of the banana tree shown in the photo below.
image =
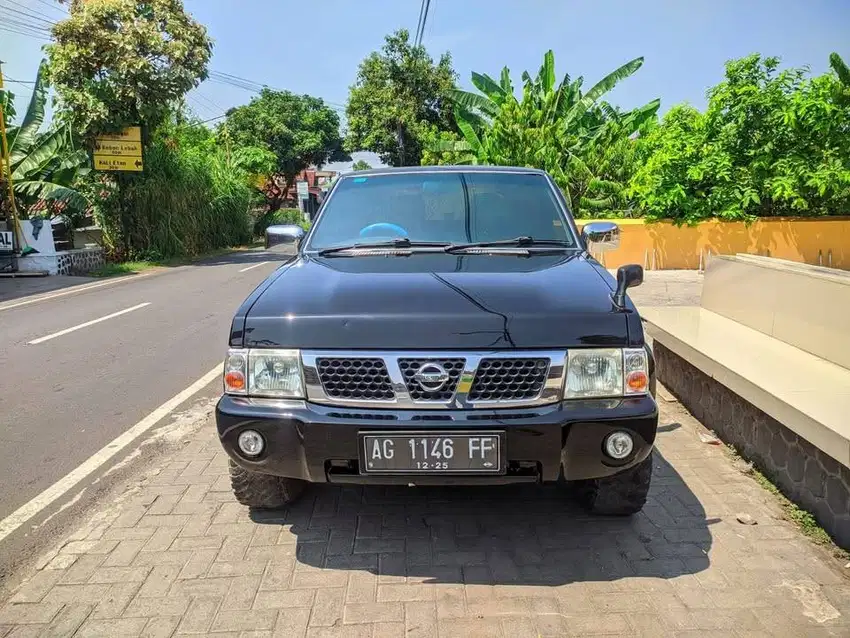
(557, 127)
(45, 164)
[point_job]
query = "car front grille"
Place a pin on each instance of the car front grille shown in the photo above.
(355, 379)
(509, 379)
(418, 392)
(433, 380)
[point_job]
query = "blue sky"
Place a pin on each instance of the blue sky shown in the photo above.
(315, 48)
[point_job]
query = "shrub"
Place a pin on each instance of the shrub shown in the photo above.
(189, 200)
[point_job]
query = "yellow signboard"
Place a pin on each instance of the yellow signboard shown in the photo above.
(120, 151)
(133, 149)
(129, 134)
(117, 163)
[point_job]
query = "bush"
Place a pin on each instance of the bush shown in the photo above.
(189, 201)
(282, 216)
(771, 143)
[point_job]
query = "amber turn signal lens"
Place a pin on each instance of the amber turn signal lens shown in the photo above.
(637, 381)
(234, 380)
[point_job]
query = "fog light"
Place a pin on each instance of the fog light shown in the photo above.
(619, 445)
(251, 443)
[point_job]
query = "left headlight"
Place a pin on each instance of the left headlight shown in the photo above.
(264, 373)
(606, 372)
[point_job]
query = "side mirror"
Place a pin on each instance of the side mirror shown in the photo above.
(628, 276)
(600, 237)
(283, 234)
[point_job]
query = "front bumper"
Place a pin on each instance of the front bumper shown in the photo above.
(320, 443)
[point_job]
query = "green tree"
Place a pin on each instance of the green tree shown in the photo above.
(192, 199)
(580, 139)
(361, 165)
(121, 62)
(770, 143)
(398, 100)
(45, 163)
(300, 130)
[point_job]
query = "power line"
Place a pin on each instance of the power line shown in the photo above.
(209, 101)
(53, 6)
(25, 11)
(419, 21)
(23, 33)
(421, 32)
(220, 77)
(26, 26)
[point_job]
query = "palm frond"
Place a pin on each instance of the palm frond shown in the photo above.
(471, 101)
(26, 134)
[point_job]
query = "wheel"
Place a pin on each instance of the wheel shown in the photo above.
(622, 494)
(263, 490)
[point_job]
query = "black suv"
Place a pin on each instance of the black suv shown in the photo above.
(442, 326)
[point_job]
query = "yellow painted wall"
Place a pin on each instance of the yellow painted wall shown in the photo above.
(679, 247)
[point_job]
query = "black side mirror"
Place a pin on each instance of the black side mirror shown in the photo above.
(628, 276)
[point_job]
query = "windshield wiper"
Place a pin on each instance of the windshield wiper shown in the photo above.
(402, 242)
(525, 241)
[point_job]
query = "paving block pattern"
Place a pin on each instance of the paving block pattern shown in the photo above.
(810, 478)
(180, 557)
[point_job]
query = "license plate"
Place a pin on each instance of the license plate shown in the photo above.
(430, 452)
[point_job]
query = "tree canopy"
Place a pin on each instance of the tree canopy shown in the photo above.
(574, 135)
(361, 165)
(300, 130)
(44, 162)
(121, 62)
(770, 143)
(399, 100)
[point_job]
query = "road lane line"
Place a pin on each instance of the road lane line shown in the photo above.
(86, 324)
(262, 263)
(75, 290)
(24, 513)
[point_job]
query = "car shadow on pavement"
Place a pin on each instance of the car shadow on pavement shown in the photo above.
(510, 535)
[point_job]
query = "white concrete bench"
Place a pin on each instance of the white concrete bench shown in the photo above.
(765, 362)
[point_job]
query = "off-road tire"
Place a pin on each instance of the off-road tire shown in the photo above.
(622, 494)
(263, 491)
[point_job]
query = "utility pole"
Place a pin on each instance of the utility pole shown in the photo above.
(6, 171)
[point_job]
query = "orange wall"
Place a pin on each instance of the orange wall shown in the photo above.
(679, 247)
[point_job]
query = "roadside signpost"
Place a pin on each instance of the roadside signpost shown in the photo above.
(303, 192)
(119, 152)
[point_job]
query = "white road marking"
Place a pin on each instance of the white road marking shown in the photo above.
(73, 291)
(67, 482)
(86, 324)
(262, 263)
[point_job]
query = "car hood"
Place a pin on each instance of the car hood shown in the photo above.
(434, 301)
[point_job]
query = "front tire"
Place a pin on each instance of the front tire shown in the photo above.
(263, 491)
(622, 494)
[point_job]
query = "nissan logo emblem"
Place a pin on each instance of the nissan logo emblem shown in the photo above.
(431, 377)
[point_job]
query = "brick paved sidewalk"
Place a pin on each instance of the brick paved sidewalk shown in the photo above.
(179, 556)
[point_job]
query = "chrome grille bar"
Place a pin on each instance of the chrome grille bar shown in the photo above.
(458, 399)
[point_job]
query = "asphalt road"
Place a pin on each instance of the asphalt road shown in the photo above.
(65, 395)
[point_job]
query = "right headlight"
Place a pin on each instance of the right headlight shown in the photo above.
(606, 372)
(264, 373)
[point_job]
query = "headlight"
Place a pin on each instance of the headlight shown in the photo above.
(270, 373)
(606, 372)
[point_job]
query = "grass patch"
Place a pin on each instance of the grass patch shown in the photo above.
(123, 268)
(133, 267)
(804, 520)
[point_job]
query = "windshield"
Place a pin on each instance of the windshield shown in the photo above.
(452, 208)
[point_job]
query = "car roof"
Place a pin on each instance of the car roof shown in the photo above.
(388, 170)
